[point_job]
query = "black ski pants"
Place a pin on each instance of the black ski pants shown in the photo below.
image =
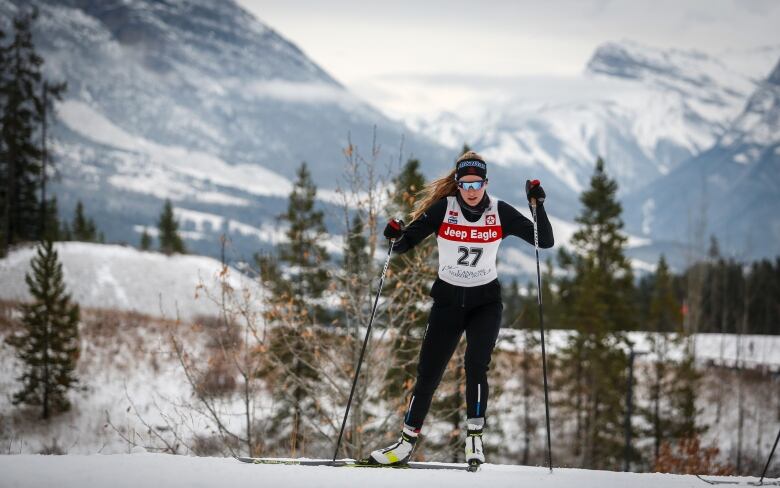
(475, 310)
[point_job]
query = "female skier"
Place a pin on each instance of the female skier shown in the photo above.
(469, 226)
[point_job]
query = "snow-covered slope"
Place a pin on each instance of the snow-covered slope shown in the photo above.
(197, 101)
(731, 190)
(690, 100)
(124, 278)
(135, 470)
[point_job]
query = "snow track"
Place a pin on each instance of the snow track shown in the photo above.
(135, 470)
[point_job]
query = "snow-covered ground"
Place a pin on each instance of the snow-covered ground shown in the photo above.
(128, 372)
(124, 278)
(751, 351)
(152, 470)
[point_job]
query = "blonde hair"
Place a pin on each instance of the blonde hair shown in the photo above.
(439, 188)
(434, 191)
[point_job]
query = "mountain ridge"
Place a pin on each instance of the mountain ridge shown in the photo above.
(201, 103)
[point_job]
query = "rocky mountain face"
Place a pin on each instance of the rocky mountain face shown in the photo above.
(200, 102)
(661, 115)
(731, 190)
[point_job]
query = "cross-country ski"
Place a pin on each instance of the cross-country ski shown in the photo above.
(353, 463)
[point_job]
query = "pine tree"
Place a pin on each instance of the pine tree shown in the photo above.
(45, 107)
(170, 241)
(664, 317)
(146, 241)
(20, 155)
(83, 228)
(52, 230)
(49, 344)
(408, 277)
(304, 253)
(294, 308)
(597, 299)
(356, 258)
(550, 299)
(514, 306)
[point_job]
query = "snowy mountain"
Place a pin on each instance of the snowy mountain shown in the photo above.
(123, 278)
(655, 109)
(200, 102)
(646, 111)
(691, 97)
(731, 190)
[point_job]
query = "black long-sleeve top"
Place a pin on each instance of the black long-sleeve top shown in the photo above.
(512, 223)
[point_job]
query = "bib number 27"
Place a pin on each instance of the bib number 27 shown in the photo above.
(466, 252)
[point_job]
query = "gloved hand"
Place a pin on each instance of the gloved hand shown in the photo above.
(394, 228)
(533, 189)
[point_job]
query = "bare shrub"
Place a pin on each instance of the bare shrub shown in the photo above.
(689, 457)
(53, 449)
(217, 380)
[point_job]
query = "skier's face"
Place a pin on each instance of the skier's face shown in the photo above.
(468, 193)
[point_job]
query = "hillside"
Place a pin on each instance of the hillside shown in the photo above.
(123, 278)
(199, 102)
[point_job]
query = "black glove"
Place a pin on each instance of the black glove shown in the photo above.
(394, 228)
(533, 189)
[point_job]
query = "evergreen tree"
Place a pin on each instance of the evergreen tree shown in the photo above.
(52, 230)
(293, 307)
(408, 277)
(45, 108)
(356, 303)
(20, 155)
(49, 343)
(598, 302)
(550, 300)
(146, 240)
(170, 241)
(83, 228)
(664, 317)
(303, 252)
(685, 381)
(514, 306)
(762, 302)
(356, 258)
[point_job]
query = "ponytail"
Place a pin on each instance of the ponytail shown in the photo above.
(434, 191)
(445, 186)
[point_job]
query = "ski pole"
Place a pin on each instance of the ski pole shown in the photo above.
(541, 325)
(770, 458)
(363, 350)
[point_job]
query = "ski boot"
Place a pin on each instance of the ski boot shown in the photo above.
(475, 455)
(399, 452)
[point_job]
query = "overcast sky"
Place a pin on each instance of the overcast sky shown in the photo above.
(369, 46)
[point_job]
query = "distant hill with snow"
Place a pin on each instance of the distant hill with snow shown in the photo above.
(122, 278)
